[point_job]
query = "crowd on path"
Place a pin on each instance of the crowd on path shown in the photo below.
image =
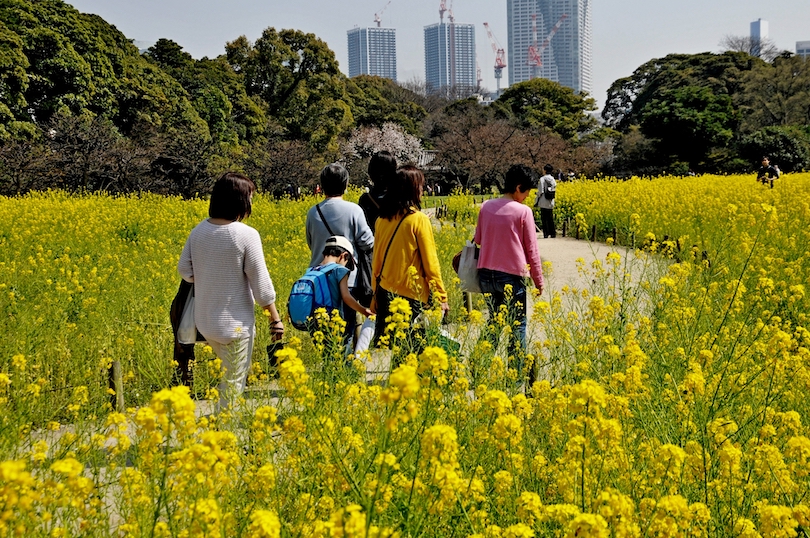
(366, 259)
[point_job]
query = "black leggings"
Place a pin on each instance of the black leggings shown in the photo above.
(416, 334)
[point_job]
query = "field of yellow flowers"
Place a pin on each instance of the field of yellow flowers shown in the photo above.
(674, 404)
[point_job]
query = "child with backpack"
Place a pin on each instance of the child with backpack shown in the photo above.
(325, 285)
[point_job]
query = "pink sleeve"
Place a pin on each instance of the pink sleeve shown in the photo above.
(530, 249)
(477, 236)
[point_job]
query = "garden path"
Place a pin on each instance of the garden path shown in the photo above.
(561, 252)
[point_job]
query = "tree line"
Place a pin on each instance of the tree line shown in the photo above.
(82, 109)
(711, 113)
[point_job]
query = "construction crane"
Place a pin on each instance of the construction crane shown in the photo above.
(442, 10)
(500, 58)
(478, 78)
(536, 53)
(451, 40)
(377, 17)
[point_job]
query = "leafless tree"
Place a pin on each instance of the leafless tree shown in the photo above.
(430, 101)
(81, 152)
(281, 166)
(182, 166)
(22, 163)
(764, 48)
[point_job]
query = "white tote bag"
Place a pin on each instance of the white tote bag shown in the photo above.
(187, 331)
(468, 268)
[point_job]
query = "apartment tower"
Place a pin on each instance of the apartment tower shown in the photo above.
(450, 57)
(550, 39)
(373, 51)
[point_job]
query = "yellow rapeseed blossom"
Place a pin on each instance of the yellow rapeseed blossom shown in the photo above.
(264, 524)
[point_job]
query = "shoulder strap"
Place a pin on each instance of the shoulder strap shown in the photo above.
(325, 269)
(323, 219)
(382, 265)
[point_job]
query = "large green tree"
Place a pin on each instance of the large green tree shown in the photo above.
(68, 62)
(689, 121)
(776, 94)
(376, 101)
(787, 146)
(216, 91)
(296, 75)
(679, 111)
(542, 103)
(628, 97)
(13, 80)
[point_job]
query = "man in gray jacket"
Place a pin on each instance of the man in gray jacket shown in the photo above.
(546, 193)
(336, 216)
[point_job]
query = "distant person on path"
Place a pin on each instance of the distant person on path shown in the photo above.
(336, 216)
(767, 173)
(546, 193)
(224, 259)
(506, 233)
(406, 234)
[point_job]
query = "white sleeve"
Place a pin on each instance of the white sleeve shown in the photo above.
(184, 266)
(256, 270)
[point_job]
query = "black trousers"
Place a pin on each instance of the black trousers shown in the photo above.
(415, 337)
(547, 218)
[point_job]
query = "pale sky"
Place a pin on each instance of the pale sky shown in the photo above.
(626, 34)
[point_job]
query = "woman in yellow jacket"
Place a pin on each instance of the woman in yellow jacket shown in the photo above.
(403, 239)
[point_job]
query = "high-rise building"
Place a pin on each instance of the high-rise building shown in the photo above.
(445, 69)
(803, 49)
(373, 51)
(550, 39)
(759, 31)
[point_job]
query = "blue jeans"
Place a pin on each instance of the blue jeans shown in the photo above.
(493, 283)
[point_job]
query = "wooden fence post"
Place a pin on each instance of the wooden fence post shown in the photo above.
(116, 380)
(593, 233)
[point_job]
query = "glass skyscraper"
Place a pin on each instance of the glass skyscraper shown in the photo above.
(443, 70)
(373, 51)
(566, 58)
(759, 32)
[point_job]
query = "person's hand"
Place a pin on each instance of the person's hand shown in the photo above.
(445, 308)
(367, 312)
(276, 330)
(540, 290)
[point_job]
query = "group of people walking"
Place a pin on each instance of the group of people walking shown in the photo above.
(386, 230)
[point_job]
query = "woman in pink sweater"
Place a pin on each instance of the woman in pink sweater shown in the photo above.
(508, 240)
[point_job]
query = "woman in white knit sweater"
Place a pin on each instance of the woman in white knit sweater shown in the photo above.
(224, 259)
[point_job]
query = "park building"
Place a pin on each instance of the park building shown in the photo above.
(450, 57)
(803, 49)
(550, 39)
(373, 51)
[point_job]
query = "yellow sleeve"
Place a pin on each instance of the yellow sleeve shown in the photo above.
(430, 260)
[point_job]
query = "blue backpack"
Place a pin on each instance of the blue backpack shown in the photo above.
(309, 293)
